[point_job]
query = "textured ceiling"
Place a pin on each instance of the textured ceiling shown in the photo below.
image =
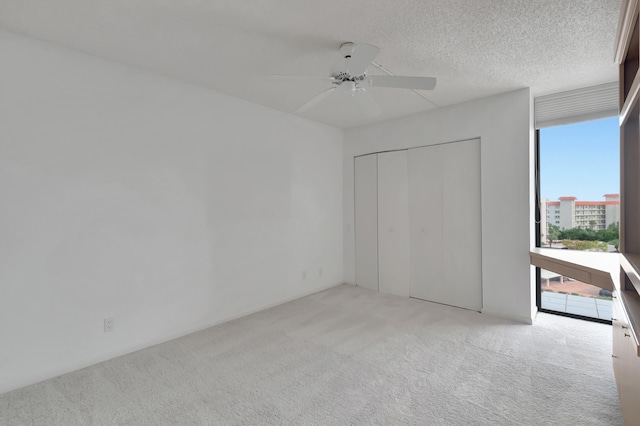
(475, 48)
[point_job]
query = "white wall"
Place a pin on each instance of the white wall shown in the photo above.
(503, 123)
(166, 206)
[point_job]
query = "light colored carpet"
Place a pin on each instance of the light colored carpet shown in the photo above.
(345, 356)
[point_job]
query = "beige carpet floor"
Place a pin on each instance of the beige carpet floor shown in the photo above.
(345, 356)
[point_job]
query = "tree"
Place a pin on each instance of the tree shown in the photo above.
(610, 235)
(553, 233)
(578, 234)
(615, 243)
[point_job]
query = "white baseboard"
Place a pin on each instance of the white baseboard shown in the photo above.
(89, 361)
(516, 318)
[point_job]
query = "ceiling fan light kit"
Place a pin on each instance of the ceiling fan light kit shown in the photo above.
(358, 57)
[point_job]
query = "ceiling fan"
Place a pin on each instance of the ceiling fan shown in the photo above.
(358, 58)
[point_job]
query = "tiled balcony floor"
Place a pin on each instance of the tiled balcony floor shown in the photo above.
(578, 305)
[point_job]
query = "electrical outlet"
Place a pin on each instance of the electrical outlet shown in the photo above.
(320, 272)
(108, 325)
(304, 275)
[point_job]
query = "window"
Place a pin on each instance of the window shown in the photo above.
(578, 166)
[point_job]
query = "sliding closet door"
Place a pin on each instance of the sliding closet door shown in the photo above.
(425, 193)
(393, 223)
(462, 229)
(366, 221)
(445, 215)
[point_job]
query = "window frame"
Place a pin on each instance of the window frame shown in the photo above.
(538, 241)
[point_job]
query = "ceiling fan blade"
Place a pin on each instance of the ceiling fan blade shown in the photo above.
(368, 104)
(399, 82)
(361, 57)
(316, 100)
(301, 78)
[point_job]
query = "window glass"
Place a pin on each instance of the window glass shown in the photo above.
(579, 207)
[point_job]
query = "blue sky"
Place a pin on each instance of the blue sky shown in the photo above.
(580, 160)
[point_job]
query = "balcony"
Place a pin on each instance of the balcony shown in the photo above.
(577, 282)
(566, 295)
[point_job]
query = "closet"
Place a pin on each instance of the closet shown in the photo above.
(418, 223)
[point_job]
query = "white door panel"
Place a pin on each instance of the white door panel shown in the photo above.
(445, 223)
(425, 213)
(393, 223)
(462, 228)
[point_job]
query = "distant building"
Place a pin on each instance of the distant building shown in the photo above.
(568, 213)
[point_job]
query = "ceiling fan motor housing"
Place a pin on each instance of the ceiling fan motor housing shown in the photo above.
(346, 49)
